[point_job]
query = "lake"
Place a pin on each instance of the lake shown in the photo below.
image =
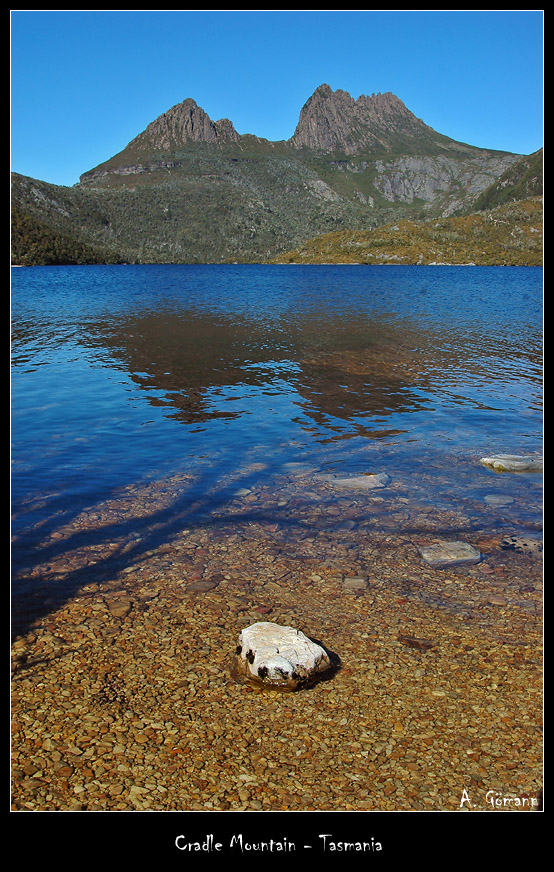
(196, 449)
(232, 378)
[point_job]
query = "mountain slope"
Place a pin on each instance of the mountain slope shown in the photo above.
(510, 235)
(521, 180)
(188, 189)
(34, 243)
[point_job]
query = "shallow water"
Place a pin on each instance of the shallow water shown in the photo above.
(245, 375)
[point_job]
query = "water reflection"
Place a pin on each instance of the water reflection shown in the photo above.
(113, 377)
(230, 378)
(198, 365)
(351, 373)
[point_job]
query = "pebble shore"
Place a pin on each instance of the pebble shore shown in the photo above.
(125, 626)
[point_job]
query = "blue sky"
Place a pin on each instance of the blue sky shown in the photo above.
(84, 83)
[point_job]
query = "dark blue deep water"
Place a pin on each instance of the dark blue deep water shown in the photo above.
(122, 374)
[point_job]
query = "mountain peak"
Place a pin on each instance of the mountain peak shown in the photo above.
(334, 121)
(185, 122)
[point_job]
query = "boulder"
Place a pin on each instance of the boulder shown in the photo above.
(278, 657)
(443, 554)
(513, 463)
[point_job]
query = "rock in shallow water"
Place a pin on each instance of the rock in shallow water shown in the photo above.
(279, 657)
(367, 481)
(498, 500)
(523, 544)
(513, 463)
(355, 584)
(450, 554)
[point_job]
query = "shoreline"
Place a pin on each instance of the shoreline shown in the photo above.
(290, 263)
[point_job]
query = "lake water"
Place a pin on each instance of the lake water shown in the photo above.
(244, 375)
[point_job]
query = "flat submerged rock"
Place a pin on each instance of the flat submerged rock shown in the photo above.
(450, 554)
(498, 500)
(513, 463)
(367, 481)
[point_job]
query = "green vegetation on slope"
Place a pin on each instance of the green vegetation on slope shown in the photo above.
(252, 201)
(36, 244)
(510, 235)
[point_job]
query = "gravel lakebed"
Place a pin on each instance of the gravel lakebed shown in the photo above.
(125, 627)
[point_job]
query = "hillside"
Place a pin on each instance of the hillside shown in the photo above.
(34, 243)
(521, 180)
(191, 190)
(509, 235)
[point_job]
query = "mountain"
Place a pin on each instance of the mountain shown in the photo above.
(189, 189)
(184, 122)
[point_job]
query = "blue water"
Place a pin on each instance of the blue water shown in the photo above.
(122, 374)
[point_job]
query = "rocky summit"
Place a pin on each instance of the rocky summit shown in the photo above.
(334, 121)
(188, 189)
(185, 122)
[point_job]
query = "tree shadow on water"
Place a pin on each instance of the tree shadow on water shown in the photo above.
(205, 501)
(127, 541)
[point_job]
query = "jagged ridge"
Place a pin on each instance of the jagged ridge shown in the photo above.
(185, 122)
(334, 121)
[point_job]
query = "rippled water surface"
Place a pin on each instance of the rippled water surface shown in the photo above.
(123, 374)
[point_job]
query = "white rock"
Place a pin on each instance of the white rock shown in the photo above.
(513, 463)
(450, 554)
(277, 656)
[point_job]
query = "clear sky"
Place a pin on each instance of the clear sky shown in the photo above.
(84, 83)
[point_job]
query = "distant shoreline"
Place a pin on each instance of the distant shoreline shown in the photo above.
(290, 263)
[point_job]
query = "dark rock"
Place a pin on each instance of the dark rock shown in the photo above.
(414, 642)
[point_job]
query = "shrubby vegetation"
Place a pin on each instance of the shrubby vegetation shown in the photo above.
(36, 244)
(509, 235)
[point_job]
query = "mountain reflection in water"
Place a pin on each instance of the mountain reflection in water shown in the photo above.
(200, 367)
(123, 373)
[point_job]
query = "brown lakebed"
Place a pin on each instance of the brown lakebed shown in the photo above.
(124, 631)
